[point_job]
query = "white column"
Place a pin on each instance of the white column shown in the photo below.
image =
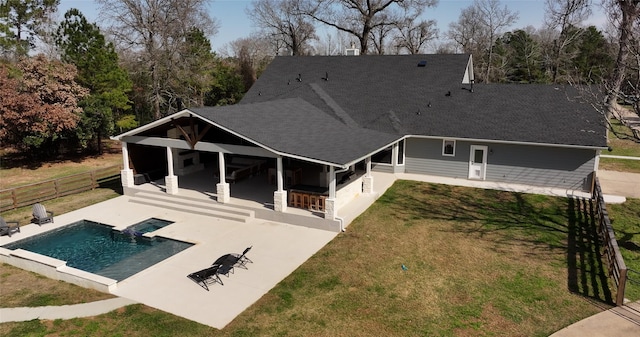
(279, 174)
(222, 188)
(394, 155)
(222, 168)
(367, 180)
(332, 182)
(280, 195)
(330, 209)
(126, 175)
(171, 180)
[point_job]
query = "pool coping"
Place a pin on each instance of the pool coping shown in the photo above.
(56, 269)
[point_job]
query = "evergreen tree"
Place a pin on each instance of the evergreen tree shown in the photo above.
(20, 22)
(82, 44)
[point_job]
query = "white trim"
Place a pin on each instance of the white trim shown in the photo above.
(584, 147)
(444, 141)
(596, 161)
(485, 150)
(187, 112)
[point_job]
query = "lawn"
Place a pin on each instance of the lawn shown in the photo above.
(625, 219)
(16, 170)
(477, 263)
(622, 143)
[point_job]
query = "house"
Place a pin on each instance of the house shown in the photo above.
(318, 126)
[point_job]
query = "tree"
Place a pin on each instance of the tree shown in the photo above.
(196, 70)
(279, 20)
(626, 14)
(20, 23)
(252, 55)
(521, 57)
(39, 103)
(413, 34)
(228, 87)
(477, 29)
(82, 44)
(594, 59)
(155, 31)
(360, 17)
(565, 16)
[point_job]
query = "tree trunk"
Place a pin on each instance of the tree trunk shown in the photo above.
(630, 13)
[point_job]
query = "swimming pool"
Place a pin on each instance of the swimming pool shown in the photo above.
(101, 250)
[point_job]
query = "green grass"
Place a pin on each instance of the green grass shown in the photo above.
(479, 263)
(622, 143)
(625, 219)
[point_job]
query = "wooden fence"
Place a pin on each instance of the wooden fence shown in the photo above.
(615, 263)
(12, 198)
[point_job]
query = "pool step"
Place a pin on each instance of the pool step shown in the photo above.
(190, 205)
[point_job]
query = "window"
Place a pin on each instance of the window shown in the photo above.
(383, 156)
(448, 147)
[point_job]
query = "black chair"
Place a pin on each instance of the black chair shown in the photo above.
(206, 276)
(226, 263)
(8, 227)
(243, 259)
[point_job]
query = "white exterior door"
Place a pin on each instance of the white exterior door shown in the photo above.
(478, 162)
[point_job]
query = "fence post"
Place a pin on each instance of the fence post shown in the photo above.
(55, 186)
(14, 198)
(94, 183)
(621, 285)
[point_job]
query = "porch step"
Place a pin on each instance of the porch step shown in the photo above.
(192, 205)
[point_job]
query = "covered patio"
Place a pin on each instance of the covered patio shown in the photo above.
(239, 156)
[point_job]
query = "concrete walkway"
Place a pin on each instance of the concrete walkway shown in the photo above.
(619, 321)
(63, 311)
(620, 183)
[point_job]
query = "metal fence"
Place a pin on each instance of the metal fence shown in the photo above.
(25, 195)
(615, 262)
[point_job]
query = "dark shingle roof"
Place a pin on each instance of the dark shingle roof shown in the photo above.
(392, 94)
(295, 127)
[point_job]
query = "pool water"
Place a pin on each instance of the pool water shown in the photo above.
(101, 250)
(149, 225)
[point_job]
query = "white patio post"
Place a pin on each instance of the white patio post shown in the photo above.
(222, 188)
(171, 180)
(394, 155)
(330, 209)
(280, 195)
(367, 180)
(126, 174)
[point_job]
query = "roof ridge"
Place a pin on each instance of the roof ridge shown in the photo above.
(335, 107)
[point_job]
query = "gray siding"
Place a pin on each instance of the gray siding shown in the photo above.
(520, 164)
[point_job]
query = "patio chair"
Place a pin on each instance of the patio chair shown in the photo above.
(41, 215)
(226, 263)
(243, 259)
(8, 227)
(206, 276)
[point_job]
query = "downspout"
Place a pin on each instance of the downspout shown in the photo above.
(344, 169)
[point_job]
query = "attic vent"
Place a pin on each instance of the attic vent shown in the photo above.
(422, 63)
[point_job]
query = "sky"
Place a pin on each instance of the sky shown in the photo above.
(233, 21)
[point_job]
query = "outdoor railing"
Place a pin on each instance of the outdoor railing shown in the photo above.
(615, 262)
(25, 195)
